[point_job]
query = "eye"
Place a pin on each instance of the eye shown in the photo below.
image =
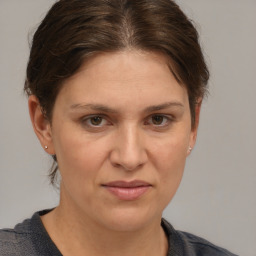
(159, 120)
(95, 121)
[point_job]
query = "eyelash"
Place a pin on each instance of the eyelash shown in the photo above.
(166, 122)
(87, 121)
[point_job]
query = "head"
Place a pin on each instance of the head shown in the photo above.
(75, 30)
(76, 34)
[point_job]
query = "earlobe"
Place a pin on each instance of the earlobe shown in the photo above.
(41, 124)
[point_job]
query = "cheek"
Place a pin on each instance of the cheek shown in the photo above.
(169, 153)
(170, 158)
(80, 160)
(79, 155)
(172, 163)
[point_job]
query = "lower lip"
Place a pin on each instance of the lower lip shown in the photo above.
(128, 193)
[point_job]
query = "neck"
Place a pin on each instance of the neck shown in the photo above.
(75, 234)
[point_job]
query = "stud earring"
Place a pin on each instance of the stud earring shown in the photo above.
(189, 149)
(46, 147)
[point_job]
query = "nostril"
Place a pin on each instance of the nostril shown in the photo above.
(116, 165)
(127, 165)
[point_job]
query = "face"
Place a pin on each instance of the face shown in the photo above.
(121, 130)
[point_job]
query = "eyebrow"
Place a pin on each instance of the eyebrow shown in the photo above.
(164, 106)
(106, 109)
(96, 107)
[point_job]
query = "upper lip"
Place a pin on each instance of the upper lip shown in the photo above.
(127, 184)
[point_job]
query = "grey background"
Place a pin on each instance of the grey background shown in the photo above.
(216, 199)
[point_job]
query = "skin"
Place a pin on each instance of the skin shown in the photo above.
(142, 132)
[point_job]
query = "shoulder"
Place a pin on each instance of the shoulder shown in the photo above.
(192, 245)
(17, 241)
(203, 247)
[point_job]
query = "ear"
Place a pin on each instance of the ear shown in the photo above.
(41, 125)
(193, 134)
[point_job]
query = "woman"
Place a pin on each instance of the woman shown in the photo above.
(115, 89)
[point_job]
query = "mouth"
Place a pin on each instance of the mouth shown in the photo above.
(124, 190)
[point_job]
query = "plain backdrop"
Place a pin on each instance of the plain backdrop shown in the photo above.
(217, 197)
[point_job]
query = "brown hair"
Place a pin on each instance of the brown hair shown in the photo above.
(74, 30)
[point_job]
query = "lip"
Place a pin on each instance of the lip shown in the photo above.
(127, 190)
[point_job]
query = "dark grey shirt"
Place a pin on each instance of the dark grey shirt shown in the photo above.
(30, 238)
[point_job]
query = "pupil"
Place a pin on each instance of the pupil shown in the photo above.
(96, 120)
(157, 119)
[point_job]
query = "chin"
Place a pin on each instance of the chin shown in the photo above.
(129, 219)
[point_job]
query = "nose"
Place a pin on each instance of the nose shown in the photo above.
(128, 152)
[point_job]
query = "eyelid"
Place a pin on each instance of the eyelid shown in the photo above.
(169, 119)
(88, 117)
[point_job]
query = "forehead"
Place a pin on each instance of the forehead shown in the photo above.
(124, 77)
